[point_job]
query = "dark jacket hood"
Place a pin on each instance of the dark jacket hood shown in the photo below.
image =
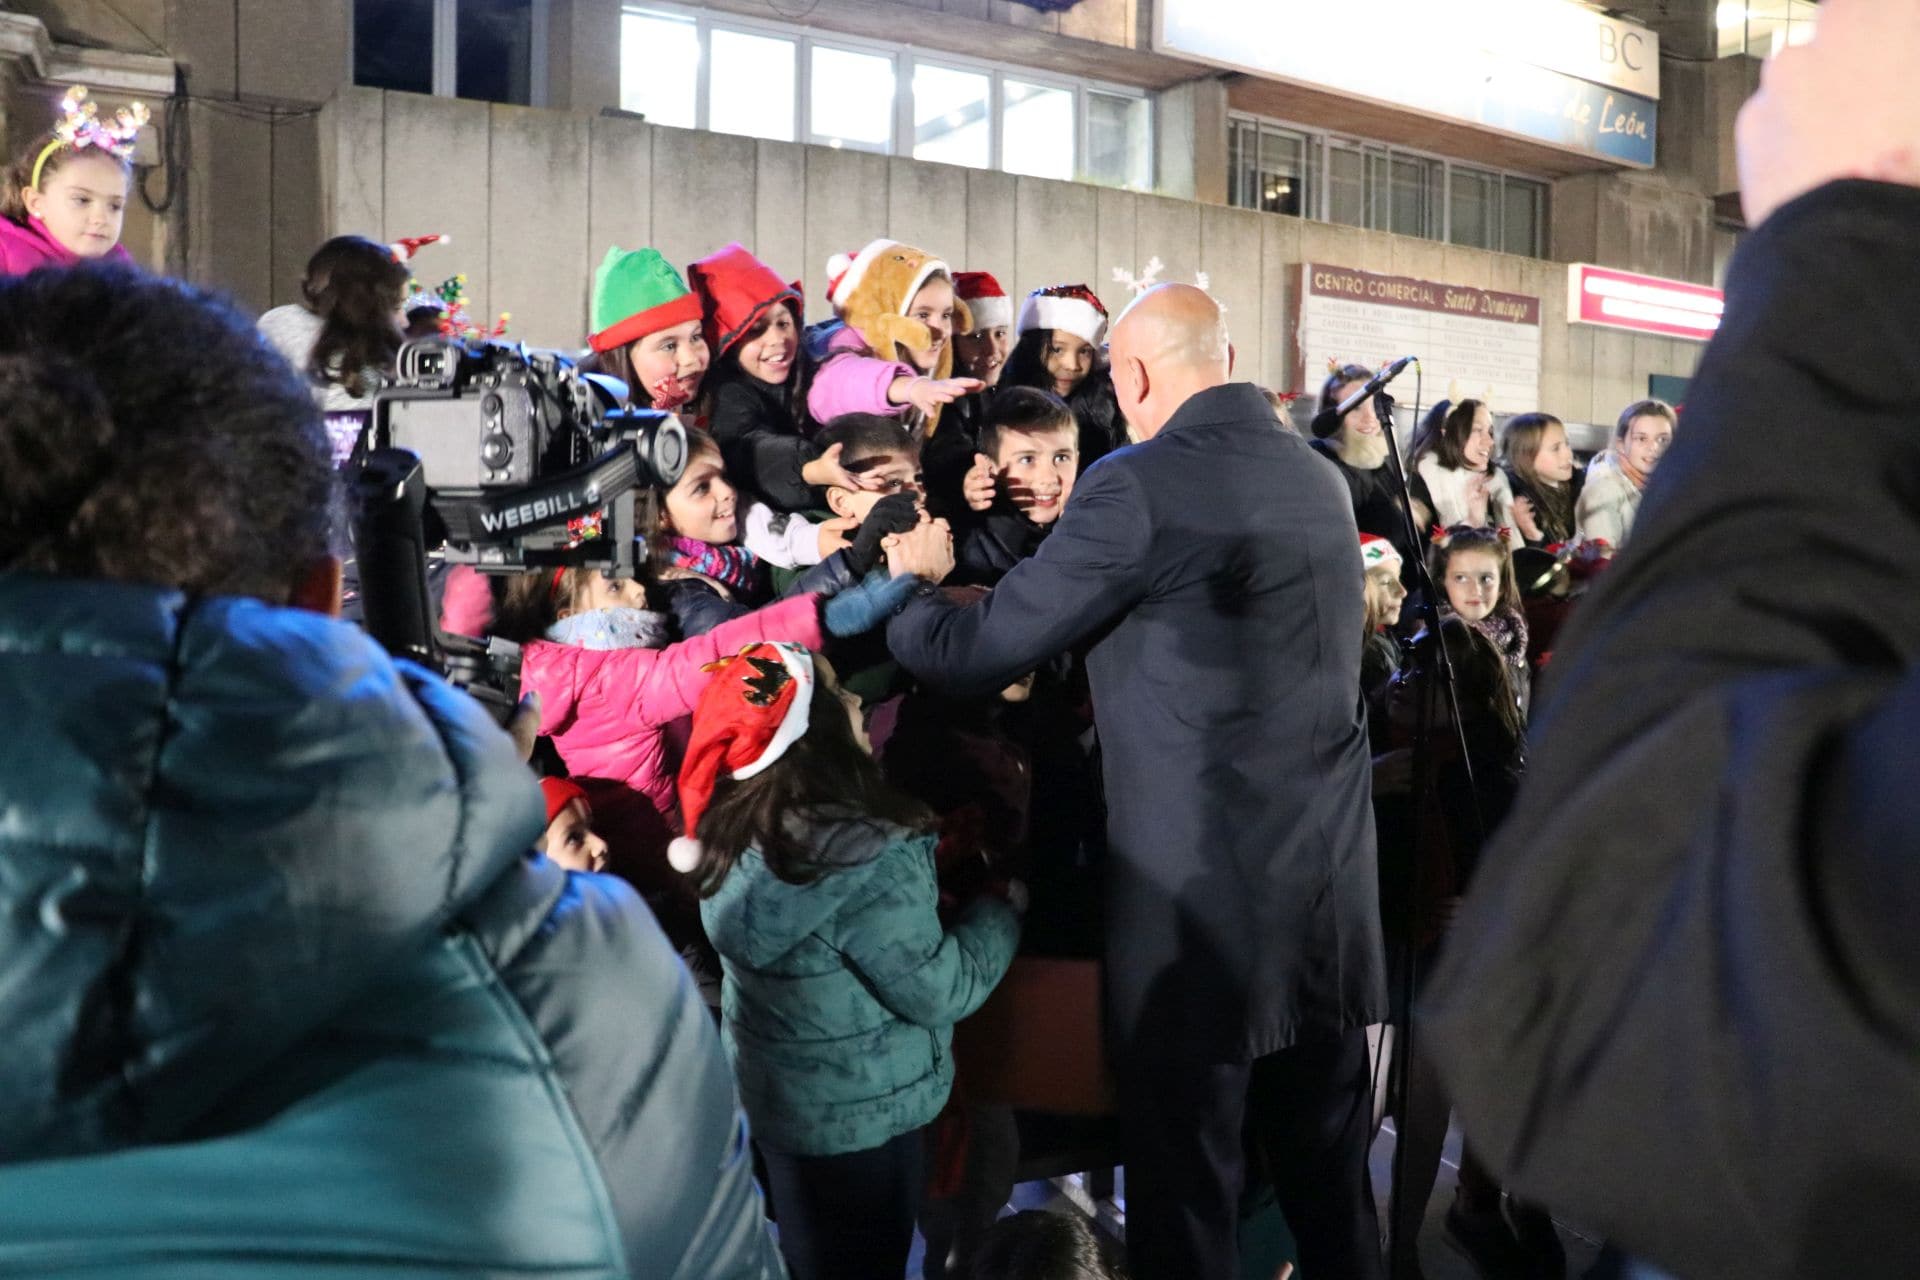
(220, 822)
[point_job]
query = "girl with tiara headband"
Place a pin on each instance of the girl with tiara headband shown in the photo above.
(65, 197)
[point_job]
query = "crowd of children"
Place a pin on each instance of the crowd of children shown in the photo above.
(845, 859)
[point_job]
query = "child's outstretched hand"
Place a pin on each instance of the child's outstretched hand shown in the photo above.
(928, 394)
(835, 534)
(828, 472)
(981, 482)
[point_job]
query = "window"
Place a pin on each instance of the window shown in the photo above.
(495, 56)
(660, 67)
(1278, 169)
(1269, 168)
(952, 115)
(1119, 140)
(1038, 130)
(1761, 28)
(1473, 208)
(491, 50)
(393, 44)
(750, 85)
(1346, 185)
(694, 69)
(1524, 209)
(852, 100)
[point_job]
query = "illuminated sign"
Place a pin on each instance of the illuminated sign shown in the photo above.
(1644, 304)
(1549, 70)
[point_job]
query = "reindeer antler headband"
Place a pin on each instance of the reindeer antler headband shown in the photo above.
(80, 127)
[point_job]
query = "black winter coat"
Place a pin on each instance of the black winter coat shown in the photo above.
(1216, 571)
(1682, 1005)
(698, 608)
(990, 543)
(1376, 508)
(760, 442)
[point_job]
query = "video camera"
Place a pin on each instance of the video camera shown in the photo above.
(507, 460)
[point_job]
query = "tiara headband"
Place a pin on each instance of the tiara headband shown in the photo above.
(80, 127)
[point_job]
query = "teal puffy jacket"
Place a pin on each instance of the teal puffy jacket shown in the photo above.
(282, 993)
(841, 994)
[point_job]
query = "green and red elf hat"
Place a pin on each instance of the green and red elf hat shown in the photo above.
(637, 292)
(736, 291)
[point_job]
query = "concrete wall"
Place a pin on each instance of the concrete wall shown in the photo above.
(533, 199)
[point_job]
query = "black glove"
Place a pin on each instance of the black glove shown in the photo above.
(893, 514)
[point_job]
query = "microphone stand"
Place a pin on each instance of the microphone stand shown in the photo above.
(1403, 1253)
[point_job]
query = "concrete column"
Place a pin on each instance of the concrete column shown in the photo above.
(583, 55)
(1190, 137)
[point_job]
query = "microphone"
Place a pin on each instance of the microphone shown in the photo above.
(1375, 383)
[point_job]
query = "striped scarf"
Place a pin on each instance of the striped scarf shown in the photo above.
(735, 568)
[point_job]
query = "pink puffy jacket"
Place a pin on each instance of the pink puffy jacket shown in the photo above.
(24, 246)
(851, 379)
(607, 711)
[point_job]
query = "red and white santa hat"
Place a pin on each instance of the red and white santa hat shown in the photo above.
(1377, 553)
(753, 709)
(1072, 307)
(403, 250)
(991, 307)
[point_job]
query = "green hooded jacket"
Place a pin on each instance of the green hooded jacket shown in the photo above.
(841, 993)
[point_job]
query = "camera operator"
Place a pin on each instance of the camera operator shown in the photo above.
(1681, 1002)
(284, 989)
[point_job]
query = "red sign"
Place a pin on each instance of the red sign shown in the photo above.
(1644, 304)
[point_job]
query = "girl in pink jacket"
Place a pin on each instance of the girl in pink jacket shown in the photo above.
(612, 684)
(891, 349)
(65, 197)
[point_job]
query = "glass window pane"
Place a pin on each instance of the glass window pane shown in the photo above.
(659, 67)
(1037, 137)
(393, 45)
(1412, 199)
(1346, 186)
(952, 116)
(1120, 140)
(1282, 172)
(852, 99)
(494, 59)
(1237, 185)
(1525, 204)
(750, 85)
(1472, 208)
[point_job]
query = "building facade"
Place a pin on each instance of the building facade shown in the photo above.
(1353, 181)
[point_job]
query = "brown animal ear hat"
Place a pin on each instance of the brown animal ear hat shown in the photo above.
(873, 289)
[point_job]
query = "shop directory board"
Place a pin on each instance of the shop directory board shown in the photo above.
(1486, 342)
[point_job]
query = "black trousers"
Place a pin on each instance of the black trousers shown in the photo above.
(848, 1217)
(1307, 1111)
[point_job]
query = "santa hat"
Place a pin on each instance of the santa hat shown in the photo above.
(403, 250)
(560, 792)
(753, 709)
(635, 293)
(1377, 553)
(1072, 307)
(736, 289)
(991, 307)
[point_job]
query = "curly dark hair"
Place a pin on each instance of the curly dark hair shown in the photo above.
(1037, 1245)
(147, 434)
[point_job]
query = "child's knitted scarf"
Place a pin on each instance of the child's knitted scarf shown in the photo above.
(735, 568)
